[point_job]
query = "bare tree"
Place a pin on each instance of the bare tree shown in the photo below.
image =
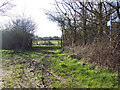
(115, 5)
(83, 20)
(19, 34)
(24, 24)
(5, 5)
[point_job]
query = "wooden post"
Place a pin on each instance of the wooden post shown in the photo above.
(61, 42)
(58, 42)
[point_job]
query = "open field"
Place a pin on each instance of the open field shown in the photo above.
(48, 67)
(54, 42)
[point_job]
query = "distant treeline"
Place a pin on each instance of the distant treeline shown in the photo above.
(49, 38)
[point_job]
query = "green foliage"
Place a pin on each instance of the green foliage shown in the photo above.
(63, 65)
(85, 74)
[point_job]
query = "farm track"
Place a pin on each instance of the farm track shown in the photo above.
(3, 74)
(47, 67)
(31, 68)
(47, 74)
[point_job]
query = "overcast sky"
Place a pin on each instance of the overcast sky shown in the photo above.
(34, 9)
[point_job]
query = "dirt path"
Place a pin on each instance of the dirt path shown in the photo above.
(47, 74)
(0, 78)
(31, 70)
(3, 74)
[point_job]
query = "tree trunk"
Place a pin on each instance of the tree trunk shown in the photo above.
(84, 25)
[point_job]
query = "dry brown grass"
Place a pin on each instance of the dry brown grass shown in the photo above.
(101, 53)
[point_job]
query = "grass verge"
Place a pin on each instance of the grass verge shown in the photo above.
(30, 67)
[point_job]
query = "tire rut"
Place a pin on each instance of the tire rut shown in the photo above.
(47, 74)
(32, 68)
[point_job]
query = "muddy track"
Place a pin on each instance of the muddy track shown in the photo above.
(47, 74)
(32, 68)
(45, 68)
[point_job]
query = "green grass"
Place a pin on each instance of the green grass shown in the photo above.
(26, 66)
(85, 74)
(55, 42)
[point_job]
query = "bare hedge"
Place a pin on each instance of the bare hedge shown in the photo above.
(17, 35)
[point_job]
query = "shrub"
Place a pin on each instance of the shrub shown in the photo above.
(18, 35)
(16, 39)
